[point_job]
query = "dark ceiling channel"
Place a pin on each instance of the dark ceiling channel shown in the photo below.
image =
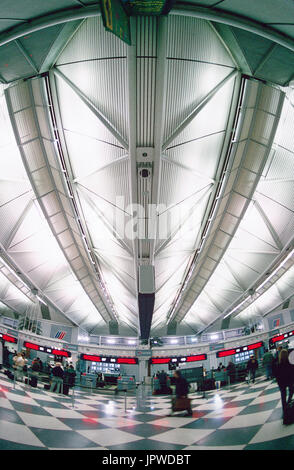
(47, 20)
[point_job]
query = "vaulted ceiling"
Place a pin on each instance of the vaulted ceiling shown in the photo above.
(194, 119)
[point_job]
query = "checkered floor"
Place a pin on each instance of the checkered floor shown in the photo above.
(235, 418)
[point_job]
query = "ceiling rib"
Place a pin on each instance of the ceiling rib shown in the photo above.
(47, 186)
(232, 19)
(238, 188)
(159, 119)
(198, 108)
(269, 225)
(132, 147)
(93, 108)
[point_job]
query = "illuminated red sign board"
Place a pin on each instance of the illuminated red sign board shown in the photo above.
(9, 339)
(199, 357)
(232, 352)
(161, 360)
(115, 360)
(281, 337)
(88, 357)
(31, 346)
(228, 352)
(126, 360)
(166, 360)
(48, 350)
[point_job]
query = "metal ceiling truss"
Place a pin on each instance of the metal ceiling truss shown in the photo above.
(21, 281)
(246, 160)
(232, 19)
(273, 273)
(46, 172)
(105, 121)
(132, 147)
(197, 109)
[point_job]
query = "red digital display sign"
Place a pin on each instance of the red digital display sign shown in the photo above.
(31, 346)
(232, 352)
(88, 357)
(166, 360)
(48, 350)
(160, 360)
(199, 357)
(9, 339)
(255, 346)
(228, 352)
(60, 352)
(126, 360)
(115, 360)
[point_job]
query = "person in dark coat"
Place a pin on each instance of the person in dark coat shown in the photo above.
(252, 366)
(182, 386)
(57, 377)
(231, 369)
(284, 374)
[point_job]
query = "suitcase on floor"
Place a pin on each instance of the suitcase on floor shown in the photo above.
(289, 413)
(33, 382)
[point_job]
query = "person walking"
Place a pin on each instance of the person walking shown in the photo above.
(284, 374)
(57, 377)
(252, 366)
(267, 362)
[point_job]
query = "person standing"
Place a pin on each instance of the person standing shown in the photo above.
(231, 369)
(1, 353)
(252, 366)
(18, 364)
(267, 362)
(284, 373)
(57, 377)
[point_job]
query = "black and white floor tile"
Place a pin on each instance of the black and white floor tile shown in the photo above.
(240, 417)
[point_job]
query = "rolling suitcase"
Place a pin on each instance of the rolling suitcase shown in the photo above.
(289, 413)
(33, 382)
(182, 404)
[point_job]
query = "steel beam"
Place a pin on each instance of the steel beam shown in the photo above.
(111, 128)
(198, 108)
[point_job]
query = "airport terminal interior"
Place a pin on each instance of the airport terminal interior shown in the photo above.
(146, 224)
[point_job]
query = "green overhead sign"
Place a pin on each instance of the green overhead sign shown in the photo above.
(116, 14)
(116, 20)
(148, 7)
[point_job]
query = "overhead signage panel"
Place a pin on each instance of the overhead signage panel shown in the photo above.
(116, 20)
